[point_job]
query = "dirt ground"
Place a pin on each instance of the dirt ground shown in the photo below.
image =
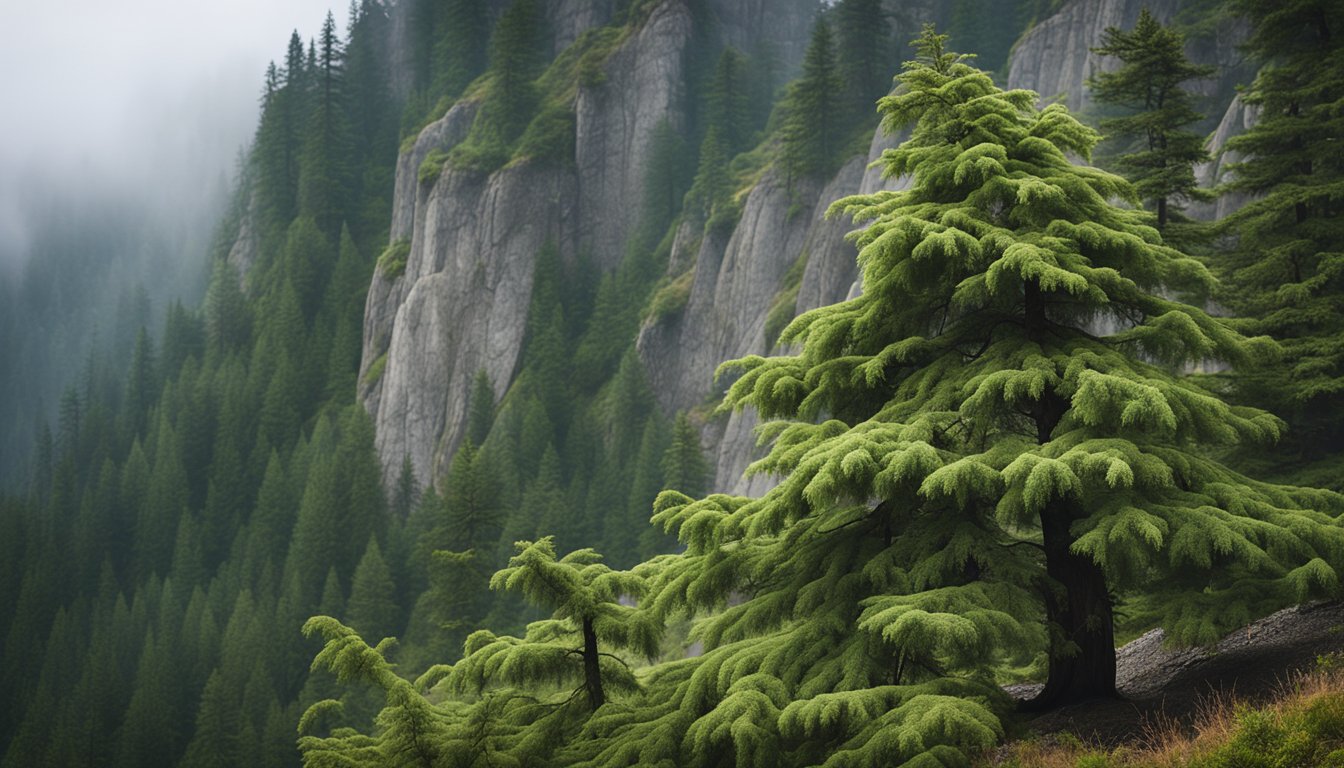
(1168, 686)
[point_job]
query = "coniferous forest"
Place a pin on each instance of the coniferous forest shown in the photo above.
(1081, 389)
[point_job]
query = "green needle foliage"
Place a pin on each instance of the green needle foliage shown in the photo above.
(587, 618)
(510, 701)
(1159, 155)
(812, 134)
(962, 453)
(1286, 271)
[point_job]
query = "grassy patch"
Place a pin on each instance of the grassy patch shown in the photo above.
(1302, 726)
(375, 371)
(392, 262)
(432, 166)
(671, 297)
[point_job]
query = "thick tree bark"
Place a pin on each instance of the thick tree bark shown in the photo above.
(1077, 602)
(1078, 607)
(592, 672)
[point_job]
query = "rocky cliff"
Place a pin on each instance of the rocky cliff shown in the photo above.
(460, 304)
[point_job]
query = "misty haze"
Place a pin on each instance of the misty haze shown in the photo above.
(671, 382)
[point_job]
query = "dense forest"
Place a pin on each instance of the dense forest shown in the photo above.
(1063, 409)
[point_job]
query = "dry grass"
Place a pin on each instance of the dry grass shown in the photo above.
(1301, 726)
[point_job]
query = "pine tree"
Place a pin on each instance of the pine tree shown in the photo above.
(684, 467)
(480, 408)
(1159, 152)
(727, 110)
(961, 453)
(372, 608)
(325, 172)
(460, 51)
(227, 320)
(516, 59)
(1284, 273)
(863, 56)
(215, 742)
(811, 134)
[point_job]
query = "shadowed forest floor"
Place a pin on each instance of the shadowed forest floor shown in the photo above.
(1173, 691)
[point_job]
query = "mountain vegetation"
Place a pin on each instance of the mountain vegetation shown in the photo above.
(1058, 411)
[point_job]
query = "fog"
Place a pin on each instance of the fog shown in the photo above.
(144, 102)
(120, 131)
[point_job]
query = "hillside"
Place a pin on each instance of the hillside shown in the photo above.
(481, 265)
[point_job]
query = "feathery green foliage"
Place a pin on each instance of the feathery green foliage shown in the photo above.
(961, 453)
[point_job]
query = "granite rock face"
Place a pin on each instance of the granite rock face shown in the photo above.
(1054, 58)
(461, 303)
(1238, 118)
(737, 278)
(644, 84)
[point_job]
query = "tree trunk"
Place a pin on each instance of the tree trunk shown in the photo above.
(1082, 626)
(592, 672)
(1078, 608)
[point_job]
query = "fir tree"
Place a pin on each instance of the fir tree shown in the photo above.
(460, 51)
(1160, 153)
(812, 130)
(1284, 272)
(325, 172)
(516, 59)
(683, 464)
(372, 608)
(215, 742)
(863, 56)
(480, 408)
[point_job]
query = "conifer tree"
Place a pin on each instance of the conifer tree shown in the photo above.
(460, 51)
(228, 323)
(516, 59)
(325, 172)
(575, 644)
(1159, 152)
(215, 742)
(285, 104)
(960, 453)
(727, 107)
(683, 464)
(480, 408)
(372, 608)
(1284, 272)
(863, 56)
(812, 128)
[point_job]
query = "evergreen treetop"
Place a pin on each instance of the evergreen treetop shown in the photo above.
(812, 130)
(1161, 155)
(962, 451)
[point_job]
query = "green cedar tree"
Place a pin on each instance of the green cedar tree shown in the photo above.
(588, 618)
(961, 453)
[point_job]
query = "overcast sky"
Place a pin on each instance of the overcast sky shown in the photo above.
(147, 98)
